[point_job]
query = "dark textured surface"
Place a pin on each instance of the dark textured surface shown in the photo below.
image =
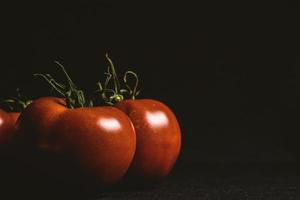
(223, 181)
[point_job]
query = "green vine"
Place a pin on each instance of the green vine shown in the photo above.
(16, 104)
(112, 96)
(75, 98)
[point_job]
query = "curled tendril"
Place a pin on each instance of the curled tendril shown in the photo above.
(110, 96)
(112, 71)
(132, 92)
(74, 97)
(106, 94)
(56, 86)
(9, 103)
(80, 98)
(108, 77)
(70, 82)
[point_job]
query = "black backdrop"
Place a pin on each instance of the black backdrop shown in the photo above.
(228, 70)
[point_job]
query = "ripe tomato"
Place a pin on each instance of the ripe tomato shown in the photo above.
(7, 156)
(157, 130)
(7, 126)
(8, 120)
(99, 140)
(158, 138)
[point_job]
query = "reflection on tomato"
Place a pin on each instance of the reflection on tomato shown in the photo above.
(7, 126)
(158, 137)
(99, 140)
(158, 134)
(63, 135)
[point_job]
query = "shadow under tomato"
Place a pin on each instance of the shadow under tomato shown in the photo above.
(24, 180)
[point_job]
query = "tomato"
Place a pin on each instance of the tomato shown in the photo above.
(158, 138)
(99, 140)
(157, 130)
(8, 120)
(7, 156)
(7, 126)
(8, 131)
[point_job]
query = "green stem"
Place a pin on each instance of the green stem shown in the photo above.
(16, 104)
(114, 75)
(75, 98)
(70, 82)
(57, 87)
(117, 94)
(132, 92)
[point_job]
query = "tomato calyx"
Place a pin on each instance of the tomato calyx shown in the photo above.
(112, 96)
(75, 98)
(16, 104)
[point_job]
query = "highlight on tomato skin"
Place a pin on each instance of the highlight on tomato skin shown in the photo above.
(7, 156)
(158, 138)
(104, 143)
(8, 118)
(73, 140)
(8, 149)
(7, 126)
(157, 129)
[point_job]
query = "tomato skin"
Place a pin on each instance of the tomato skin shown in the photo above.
(36, 121)
(100, 141)
(7, 126)
(158, 138)
(110, 148)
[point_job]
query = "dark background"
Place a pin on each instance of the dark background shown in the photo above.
(228, 70)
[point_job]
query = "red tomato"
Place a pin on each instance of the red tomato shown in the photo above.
(157, 130)
(7, 126)
(100, 140)
(158, 138)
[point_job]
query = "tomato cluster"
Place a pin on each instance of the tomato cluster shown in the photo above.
(138, 137)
